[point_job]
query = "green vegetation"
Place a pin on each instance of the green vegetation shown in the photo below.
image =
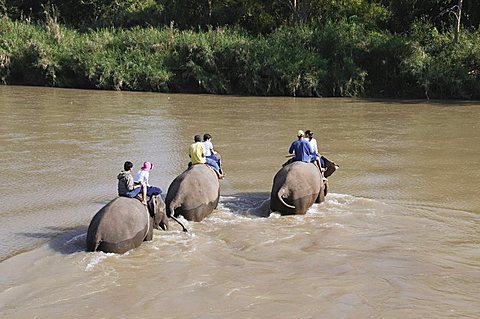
(318, 48)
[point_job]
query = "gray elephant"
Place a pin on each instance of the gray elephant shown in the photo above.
(124, 223)
(193, 194)
(298, 185)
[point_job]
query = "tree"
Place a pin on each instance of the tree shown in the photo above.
(458, 16)
(301, 10)
(456, 11)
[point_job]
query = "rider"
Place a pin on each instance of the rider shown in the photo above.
(301, 149)
(314, 146)
(196, 152)
(143, 175)
(126, 186)
(210, 152)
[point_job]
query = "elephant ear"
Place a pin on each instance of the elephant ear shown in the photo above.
(330, 166)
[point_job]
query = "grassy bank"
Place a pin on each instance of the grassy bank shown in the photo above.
(341, 59)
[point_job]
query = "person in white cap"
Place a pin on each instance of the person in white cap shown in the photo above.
(301, 149)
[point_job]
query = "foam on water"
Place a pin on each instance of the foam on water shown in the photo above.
(94, 259)
(239, 212)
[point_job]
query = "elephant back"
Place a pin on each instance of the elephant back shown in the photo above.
(194, 193)
(119, 226)
(298, 184)
(304, 174)
(299, 174)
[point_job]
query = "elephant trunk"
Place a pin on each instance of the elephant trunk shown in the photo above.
(280, 198)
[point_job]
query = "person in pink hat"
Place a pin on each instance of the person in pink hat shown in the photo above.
(142, 176)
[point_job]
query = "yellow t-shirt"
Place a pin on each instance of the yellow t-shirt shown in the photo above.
(197, 153)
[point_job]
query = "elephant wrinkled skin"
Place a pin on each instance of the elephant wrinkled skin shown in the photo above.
(194, 194)
(124, 223)
(298, 185)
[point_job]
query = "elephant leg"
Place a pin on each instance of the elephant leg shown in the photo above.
(122, 246)
(149, 235)
(322, 194)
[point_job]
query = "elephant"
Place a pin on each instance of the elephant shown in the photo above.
(124, 223)
(194, 194)
(298, 185)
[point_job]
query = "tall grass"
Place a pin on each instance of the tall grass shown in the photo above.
(341, 59)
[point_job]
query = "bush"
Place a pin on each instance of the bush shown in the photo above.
(341, 45)
(338, 59)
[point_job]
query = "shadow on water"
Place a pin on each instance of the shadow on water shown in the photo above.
(442, 103)
(250, 204)
(65, 240)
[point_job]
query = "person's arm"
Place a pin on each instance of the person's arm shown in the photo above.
(315, 147)
(130, 184)
(290, 150)
(312, 152)
(147, 177)
(212, 149)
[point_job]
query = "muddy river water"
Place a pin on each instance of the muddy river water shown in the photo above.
(398, 235)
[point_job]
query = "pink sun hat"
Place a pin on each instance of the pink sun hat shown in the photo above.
(147, 166)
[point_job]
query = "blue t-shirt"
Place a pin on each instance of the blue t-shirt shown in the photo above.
(303, 151)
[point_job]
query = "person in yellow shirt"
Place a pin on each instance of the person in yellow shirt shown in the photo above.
(197, 151)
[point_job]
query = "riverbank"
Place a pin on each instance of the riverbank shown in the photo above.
(337, 60)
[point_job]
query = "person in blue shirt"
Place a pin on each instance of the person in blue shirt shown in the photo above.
(301, 149)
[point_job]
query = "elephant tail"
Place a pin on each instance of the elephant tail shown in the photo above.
(92, 245)
(172, 208)
(93, 240)
(183, 227)
(280, 198)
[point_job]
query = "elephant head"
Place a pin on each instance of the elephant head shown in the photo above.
(156, 208)
(330, 167)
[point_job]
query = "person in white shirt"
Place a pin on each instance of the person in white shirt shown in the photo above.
(143, 173)
(210, 152)
(314, 146)
(142, 176)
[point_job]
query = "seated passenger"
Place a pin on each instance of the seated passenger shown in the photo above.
(142, 176)
(313, 144)
(196, 152)
(301, 149)
(210, 152)
(126, 186)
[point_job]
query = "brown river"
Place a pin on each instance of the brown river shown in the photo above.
(397, 237)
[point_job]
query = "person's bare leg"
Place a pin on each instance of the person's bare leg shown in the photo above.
(144, 193)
